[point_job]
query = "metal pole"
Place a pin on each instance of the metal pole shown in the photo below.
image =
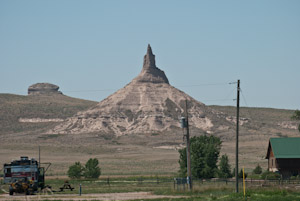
(237, 138)
(188, 151)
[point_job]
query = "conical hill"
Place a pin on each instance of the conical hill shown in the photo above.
(147, 104)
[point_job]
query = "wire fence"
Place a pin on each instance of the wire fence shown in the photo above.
(180, 183)
(104, 185)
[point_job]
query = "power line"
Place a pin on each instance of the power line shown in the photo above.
(244, 98)
(200, 85)
(89, 90)
(219, 100)
(195, 85)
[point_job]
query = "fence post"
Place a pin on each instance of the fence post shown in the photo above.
(174, 183)
(79, 189)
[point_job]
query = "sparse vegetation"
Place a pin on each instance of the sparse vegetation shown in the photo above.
(134, 153)
(13, 107)
(296, 116)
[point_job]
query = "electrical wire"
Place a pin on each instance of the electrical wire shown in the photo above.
(200, 85)
(90, 90)
(195, 85)
(244, 97)
(219, 100)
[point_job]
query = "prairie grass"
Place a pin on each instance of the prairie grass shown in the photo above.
(164, 186)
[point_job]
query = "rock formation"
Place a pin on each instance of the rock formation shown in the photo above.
(150, 73)
(43, 89)
(147, 104)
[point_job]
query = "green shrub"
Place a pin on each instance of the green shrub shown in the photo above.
(240, 174)
(92, 170)
(75, 171)
(257, 170)
(270, 175)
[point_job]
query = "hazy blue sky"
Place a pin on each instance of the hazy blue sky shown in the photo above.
(92, 48)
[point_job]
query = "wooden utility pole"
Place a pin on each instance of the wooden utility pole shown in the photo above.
(188, 150)
(39, 156)
(237, 138)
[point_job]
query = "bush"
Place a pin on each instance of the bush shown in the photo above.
(92, 170)
(75, 171)
(240, 174)
(257, 170)
(270, 175)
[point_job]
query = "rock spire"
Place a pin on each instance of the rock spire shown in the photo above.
(151, 73)
(149, 58)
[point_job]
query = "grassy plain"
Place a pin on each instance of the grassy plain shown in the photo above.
(139, 154)
(164, 186)
(13, 107)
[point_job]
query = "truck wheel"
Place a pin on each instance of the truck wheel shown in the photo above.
(11, 191)
(31, 191)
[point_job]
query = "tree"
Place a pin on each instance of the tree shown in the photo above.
(182, 163)
(257, 170)
(241, 174)
(75, 171)
(205, 151)
(224, 167)
(92, 170)
(296, 116)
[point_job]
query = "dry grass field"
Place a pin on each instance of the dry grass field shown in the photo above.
(127, 155)
(138, 154)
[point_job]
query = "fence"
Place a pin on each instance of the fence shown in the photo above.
(181, 183)
(105, 185)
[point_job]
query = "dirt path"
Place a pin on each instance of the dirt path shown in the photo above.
(104, 196)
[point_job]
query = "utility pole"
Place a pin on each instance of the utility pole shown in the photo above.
(184, 121)
(39, 156)
(237, 138)
(188, 150)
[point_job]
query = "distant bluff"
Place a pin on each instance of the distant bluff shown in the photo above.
(148, 104)
(43, 89)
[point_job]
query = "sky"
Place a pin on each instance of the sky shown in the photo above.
(90, 49)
